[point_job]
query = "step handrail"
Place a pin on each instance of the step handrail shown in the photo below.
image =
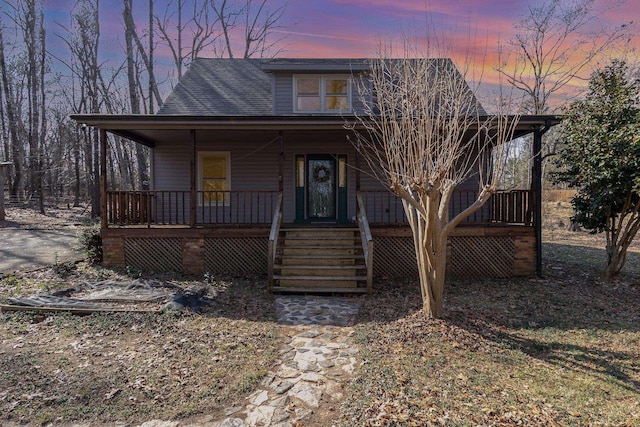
(366, 238)
(273, 238)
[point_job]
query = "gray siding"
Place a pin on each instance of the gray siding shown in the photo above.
(283, 99)
(255, 167)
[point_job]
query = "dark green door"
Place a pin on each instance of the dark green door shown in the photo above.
(321, 188)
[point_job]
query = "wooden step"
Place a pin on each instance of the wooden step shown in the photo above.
(288, 289)
(315, 245)
(320, 257)
(319, 267)
(322, 237)
(331, 271)
(323, 278)
(320, 229)
(310, 284)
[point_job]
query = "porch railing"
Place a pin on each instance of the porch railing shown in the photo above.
(172, 207)
(367, 240)
(509, 207)
(273, 239)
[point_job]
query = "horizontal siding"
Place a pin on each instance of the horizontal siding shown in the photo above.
(254, 160)
(255, 166)
(283, 99)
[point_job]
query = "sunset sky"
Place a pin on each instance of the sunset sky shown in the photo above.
(352, 28)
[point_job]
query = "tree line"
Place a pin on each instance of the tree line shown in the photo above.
(53, 157)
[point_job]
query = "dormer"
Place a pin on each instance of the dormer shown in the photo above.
(315, 86)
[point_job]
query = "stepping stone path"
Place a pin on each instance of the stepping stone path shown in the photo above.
(317, 358)
(316, 361)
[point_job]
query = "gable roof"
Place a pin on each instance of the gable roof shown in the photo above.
(221, 87)
(243, 86)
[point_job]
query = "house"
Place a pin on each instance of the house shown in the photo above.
(252, 172)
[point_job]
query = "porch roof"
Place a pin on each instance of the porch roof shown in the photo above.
(150, 129)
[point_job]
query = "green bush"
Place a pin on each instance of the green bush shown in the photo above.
(91, 242)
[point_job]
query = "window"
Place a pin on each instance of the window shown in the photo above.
(321, 93)
(213, 179)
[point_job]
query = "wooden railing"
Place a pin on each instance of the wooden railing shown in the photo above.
(510, 207)
(367, 239)
(171, 207)
(273, 238)
(513, 207)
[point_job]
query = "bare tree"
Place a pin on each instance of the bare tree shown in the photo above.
(425, 134)
(147, 57)
(29, 20)
(83, 39)
(259, 24)
(555, 42)
(12, 121)
(200, 23)
(141, 155)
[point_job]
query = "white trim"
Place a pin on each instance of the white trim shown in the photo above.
(322, 78)
(199, 186)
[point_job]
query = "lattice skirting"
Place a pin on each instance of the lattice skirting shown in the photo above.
(153, 254)
(394, 257)
(488, 256)
(484, 256)
(232, 255)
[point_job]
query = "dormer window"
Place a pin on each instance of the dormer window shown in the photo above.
(313, 94)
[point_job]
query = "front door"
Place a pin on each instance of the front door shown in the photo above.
(321, 187)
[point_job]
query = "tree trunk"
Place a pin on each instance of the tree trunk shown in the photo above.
(12, 123)
(431, 256)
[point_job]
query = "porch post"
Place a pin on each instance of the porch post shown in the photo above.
(357, 170)
(281, 163)
(537, 195)
(193, 196)
(103, 179)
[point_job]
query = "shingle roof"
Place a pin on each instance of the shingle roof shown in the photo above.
(242, 87)
(221, 86)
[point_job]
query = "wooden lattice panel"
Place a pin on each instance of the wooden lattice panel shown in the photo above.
(394, 257)
(482, 256)
(230, 255)
(153, 254)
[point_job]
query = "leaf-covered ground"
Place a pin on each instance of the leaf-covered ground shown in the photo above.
(563, 350)
(131, 367)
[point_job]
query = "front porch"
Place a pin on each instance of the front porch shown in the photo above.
(242, 232)
(225, 191)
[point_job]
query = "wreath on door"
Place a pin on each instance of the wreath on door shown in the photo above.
(321, 174)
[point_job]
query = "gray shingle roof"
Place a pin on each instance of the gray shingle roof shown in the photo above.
(221, 87)
(242, 87)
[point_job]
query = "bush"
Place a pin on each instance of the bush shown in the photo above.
(91, 242)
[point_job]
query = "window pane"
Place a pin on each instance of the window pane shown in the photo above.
(308, 86)
(214, 185)
(214, 167)
(336, 87)
(309, 103)
(336, 103)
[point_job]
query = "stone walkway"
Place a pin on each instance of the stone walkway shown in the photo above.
(316, 361)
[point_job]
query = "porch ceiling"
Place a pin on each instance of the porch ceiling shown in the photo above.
(153, 129)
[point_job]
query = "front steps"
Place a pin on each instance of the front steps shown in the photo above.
(327, 260)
